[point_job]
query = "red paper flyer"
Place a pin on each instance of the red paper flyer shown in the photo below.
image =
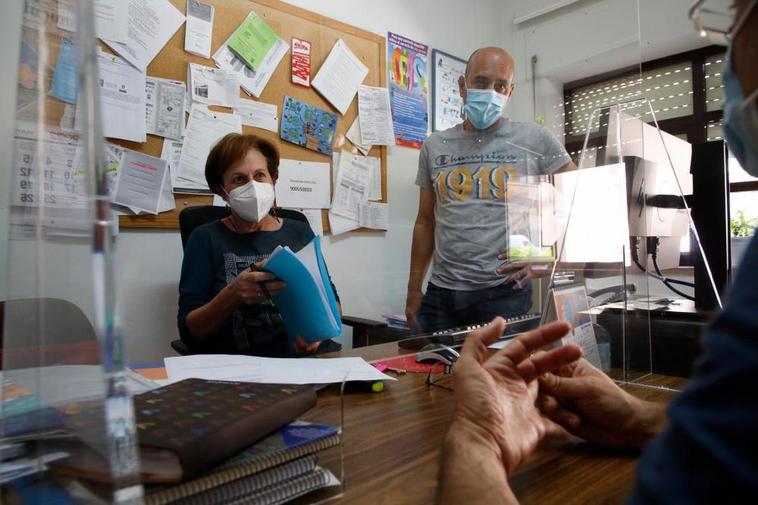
(301, 62)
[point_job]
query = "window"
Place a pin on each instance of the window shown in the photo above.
(686, 92)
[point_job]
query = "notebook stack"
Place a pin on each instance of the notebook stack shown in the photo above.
(281, 467)
(213, 442)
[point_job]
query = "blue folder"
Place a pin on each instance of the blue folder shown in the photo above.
(307, 309)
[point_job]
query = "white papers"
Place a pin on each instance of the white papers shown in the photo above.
(375, 116)
(58, 385)
(258, 114)
(151, 24)
(270, 370)
(111, 18)
(375, 189)
(199, 29)
(140, 182)
(339, 77)
(354, 135)
(351, 189)
(204, 129)
(218, 201)
(164, 107)
(252, 81)
(171, 152)
(374, 215)
(303, 184)
(122, 99)
(339, 225)
(213, 86)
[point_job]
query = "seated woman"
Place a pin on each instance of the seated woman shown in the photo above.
(223, 307)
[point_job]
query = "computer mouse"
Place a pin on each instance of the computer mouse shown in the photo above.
(434, 353)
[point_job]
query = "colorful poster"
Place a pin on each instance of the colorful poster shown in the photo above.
(409, 88)
(307, 126)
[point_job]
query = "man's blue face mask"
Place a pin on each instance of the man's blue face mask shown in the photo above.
(484, 107)
(740, 115)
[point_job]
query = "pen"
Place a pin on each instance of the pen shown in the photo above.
(254, 268)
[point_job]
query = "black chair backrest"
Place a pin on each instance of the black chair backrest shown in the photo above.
(192, 217)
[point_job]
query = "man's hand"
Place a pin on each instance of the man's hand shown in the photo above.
(590, 405)
(412, 306)
(495, 396)
(520, 273)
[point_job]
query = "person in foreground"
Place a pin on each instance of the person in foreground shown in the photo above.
(224, 305)
(703, 448)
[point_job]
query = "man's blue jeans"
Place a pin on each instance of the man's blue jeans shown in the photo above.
(446, 308)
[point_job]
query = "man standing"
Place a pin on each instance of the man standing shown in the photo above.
(461, 221)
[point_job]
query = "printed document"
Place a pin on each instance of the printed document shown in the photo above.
(339, 225)
(199, 29)
(258, 114)
(270, 370)
(111, 18)
(339, 77)
(374, 215)
(375, 116)
(151, 24)
(212, 86)
(375, 190)
(353, 180)
(303, 184)
(204, 129)
(164, 107)
(252, 81)
(252, 40)
(122, 98)
(354, 136)
(140, 182)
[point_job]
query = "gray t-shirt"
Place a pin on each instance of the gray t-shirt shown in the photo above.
(466, 169)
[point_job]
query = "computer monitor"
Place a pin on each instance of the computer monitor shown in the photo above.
(658, 171)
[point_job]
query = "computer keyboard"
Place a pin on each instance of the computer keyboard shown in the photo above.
(456, 336)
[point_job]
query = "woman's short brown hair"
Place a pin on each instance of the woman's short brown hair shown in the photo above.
(232, 149)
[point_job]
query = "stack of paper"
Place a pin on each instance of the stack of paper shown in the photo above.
(270, 370)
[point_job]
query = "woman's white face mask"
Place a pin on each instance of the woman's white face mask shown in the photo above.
(252, 201)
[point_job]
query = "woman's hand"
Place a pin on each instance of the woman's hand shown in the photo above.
(303, 347)
(248, 286)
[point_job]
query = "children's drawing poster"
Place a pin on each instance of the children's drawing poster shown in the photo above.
(307, 126)
(409, 89)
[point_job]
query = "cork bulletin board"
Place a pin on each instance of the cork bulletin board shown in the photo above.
(287, 21)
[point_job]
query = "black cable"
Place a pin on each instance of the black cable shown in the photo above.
(672, 288)
(666, 279)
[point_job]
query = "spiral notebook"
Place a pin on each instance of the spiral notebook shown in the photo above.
(294, 441)
(253, 483)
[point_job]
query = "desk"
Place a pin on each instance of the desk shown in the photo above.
(392, 442)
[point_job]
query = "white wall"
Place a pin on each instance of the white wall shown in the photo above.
(370, 269)
(585, 38)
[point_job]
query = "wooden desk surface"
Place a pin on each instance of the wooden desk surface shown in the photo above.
(392, 441)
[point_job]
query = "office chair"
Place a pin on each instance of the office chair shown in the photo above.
(45, 331)
(192, 217)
